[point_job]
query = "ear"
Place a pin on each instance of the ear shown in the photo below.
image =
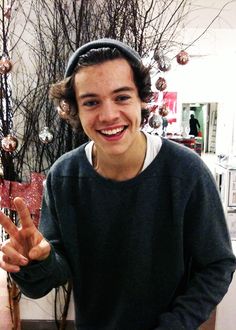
(65, 106)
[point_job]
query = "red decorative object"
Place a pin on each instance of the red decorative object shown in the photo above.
(163, 110)
(9, 143)
(31, 192)
(5, 65)
(161, 84)
(164, 63)
(183, 57)
(153, 107)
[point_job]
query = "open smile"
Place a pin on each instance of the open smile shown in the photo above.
(113, 133)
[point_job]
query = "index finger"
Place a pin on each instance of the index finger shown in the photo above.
(23, 212)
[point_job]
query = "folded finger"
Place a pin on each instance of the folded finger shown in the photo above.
(10, 254)
(9, 267)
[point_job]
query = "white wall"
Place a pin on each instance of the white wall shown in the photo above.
(43, 308)
(210, 78)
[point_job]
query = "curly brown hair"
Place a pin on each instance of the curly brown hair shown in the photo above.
(63, 93)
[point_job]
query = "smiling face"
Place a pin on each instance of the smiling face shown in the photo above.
(109, 106)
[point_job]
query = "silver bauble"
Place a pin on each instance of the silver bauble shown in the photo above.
(46, 136)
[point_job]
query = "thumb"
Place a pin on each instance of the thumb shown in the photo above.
(40, 251)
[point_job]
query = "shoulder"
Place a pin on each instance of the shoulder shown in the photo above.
(179, 150)
(69, 163)
(182, 160)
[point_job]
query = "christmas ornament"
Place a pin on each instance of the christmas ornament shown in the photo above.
(5, 65)
(9, 143)
(155, 121)
(164, 63)
(183, 57)
(46, 136)
(163, 110)
(161, 84)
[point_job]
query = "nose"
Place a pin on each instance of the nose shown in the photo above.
(108, 112)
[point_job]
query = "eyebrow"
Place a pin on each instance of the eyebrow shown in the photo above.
(118, 90)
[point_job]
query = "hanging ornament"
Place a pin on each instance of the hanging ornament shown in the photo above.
(46, 136)
(183, 57)
(161, 84)
(5, 65)
(9, 143)
(155, 121)
(163, 110)
(164, 63)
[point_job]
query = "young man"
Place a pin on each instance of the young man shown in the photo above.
(134, 220)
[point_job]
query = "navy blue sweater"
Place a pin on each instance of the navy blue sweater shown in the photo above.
(152, 252)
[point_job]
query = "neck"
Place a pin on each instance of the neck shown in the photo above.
(121, 167)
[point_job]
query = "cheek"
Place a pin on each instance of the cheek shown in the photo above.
(139, 115)
(86, 120)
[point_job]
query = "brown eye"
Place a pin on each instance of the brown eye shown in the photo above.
(90, 103)
(123, 97)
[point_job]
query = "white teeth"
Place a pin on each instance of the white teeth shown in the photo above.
(112, 131)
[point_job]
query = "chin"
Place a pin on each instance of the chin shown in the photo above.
(115, 150)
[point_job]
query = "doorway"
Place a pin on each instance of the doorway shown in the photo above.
(206, 114)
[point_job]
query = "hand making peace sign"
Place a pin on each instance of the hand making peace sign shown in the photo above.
(25, 243)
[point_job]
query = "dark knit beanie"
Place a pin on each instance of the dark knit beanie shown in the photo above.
(101, 43)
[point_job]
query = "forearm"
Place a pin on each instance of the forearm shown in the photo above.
(38, 278)
(204, 292)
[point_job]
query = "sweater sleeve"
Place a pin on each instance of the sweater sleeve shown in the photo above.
(38, 278)
(208, 246)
